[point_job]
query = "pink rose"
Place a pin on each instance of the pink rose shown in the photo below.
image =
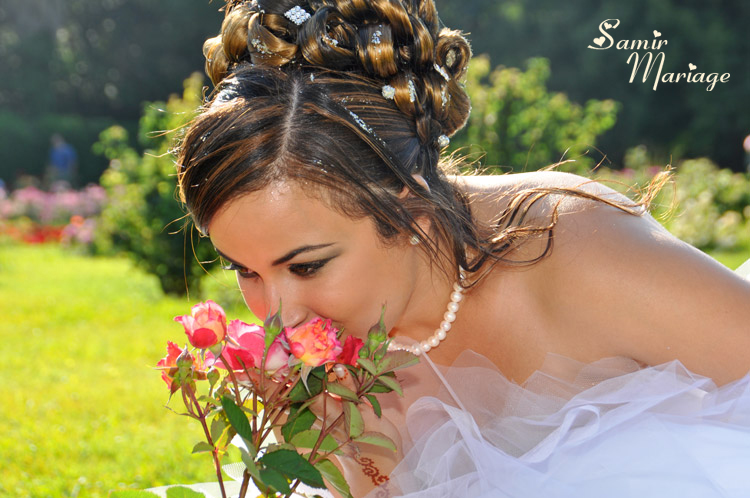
(315, 342)
(169, 365)
(350, 352)
(246, 347)
(207, 326)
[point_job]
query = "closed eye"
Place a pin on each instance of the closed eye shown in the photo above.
(241, 271)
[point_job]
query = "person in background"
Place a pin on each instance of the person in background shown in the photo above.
(63, 161)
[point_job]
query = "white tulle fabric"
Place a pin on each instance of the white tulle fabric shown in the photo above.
(572, 430)
(611, 428)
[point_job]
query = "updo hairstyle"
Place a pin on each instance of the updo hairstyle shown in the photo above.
(349, 103)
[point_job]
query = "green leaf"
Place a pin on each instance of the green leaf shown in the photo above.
(133, 494)
(368, 365)
(237, 418)
(377, 439)
(275, 479)
(249, 462)
(354, 421)
(297, 422)
(396, 360)
(340, 390)
(218, 427)
(202, 447)
(207, 399)
(379, 388)
(375, 404)
(308, 438)
(392, 383)
(293, 465)
(183, 492)
(333, 475)
(314, 387)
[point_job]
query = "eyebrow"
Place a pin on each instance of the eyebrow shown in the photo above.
(284, 258)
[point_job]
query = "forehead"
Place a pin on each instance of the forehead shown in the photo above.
(262, 225)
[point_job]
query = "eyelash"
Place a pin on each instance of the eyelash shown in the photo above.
(239, 270)
(303, 270)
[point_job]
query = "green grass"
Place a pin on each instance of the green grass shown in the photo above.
(81, 406)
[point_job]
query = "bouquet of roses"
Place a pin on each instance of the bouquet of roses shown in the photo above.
(248, 380)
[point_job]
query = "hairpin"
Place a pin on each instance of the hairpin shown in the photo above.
(376, 36)
(297, 15)
(331, 41)
(442, 72)
(360, 122)
(412, 91)
(389, 92)
(443, 141)
(260, 46)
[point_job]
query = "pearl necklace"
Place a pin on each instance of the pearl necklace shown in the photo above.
(457, 295)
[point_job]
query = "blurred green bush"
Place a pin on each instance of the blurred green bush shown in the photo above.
(517, 124)
(143, 217)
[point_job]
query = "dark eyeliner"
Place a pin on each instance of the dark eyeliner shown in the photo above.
(308, 269)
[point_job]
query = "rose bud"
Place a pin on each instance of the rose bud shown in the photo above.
(206, 326)
(178, 366)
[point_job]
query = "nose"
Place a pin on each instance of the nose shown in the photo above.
(274, 296)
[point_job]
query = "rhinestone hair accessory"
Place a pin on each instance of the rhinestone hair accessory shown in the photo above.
(260, 46)
(331, 41)
(360, 122)
(297, 15)
(442, 72)
(389, 92)
(412, 91)
(443, 141)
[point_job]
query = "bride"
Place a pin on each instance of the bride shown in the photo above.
(570, 345)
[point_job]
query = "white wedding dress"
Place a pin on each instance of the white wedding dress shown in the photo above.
(610, 428)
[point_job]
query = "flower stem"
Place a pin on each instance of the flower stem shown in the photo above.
(245, 484)
(214, 453)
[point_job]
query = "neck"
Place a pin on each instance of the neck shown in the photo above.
(430, 313)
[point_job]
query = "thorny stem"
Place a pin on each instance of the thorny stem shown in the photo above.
(214, 452)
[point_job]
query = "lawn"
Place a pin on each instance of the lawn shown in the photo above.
(82, 408)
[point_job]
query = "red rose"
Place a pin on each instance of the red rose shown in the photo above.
(350, 354)
(206, 326)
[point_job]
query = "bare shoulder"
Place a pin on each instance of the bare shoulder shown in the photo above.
(490, 195)
(616, 283)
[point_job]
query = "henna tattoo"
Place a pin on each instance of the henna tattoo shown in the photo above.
(369, 469)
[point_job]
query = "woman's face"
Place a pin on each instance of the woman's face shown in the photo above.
(292, 249)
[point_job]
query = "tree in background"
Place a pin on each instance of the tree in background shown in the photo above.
(516, 124)
(75, 67)
(677, 120)
(143, 217)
